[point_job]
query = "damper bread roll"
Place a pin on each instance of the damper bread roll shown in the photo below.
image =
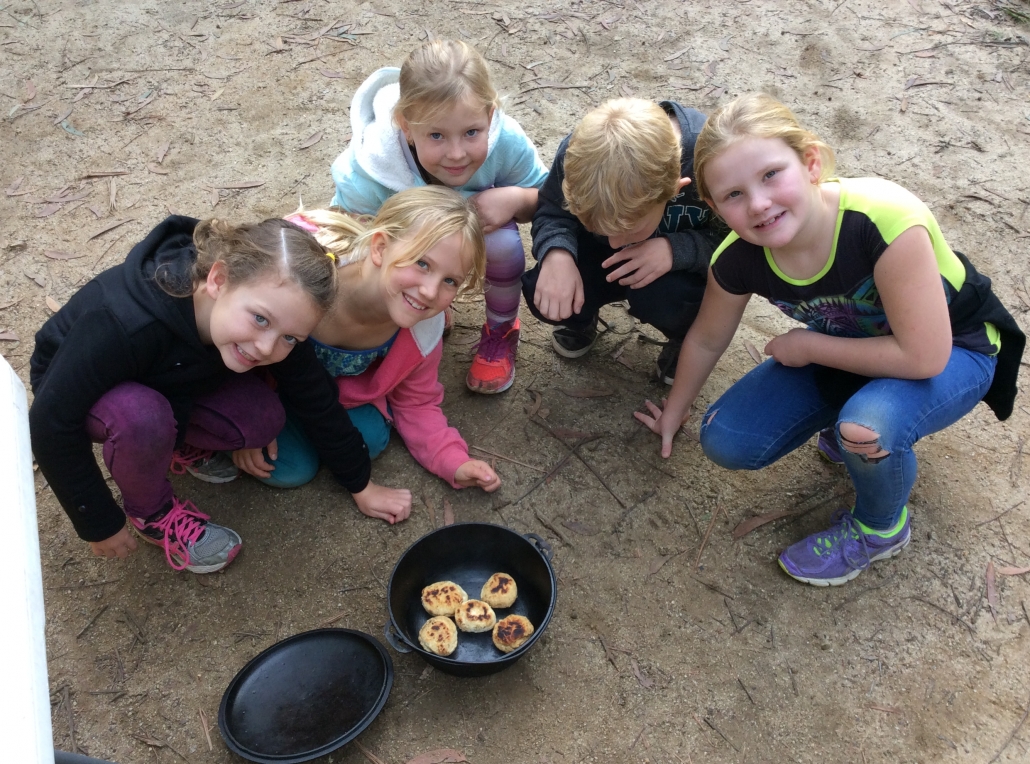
(439, 635)
(499, 591)
(443, 598)
(512, 632)
(475, 616)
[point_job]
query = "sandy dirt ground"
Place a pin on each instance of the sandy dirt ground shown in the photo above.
(673, 640)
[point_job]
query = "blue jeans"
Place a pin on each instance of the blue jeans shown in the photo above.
(298, 460)
(773, 409)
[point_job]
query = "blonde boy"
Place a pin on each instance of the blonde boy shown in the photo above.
(619, 220)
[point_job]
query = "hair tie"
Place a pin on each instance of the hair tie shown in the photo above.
(330, 255)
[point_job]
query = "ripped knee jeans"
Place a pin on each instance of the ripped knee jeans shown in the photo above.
(773, 409)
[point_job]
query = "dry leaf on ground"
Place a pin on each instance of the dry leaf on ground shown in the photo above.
(752, 523)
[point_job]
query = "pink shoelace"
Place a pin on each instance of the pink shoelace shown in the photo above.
(183, 525)
(187, 457)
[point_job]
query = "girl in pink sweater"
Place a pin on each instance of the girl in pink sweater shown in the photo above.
(381, 340)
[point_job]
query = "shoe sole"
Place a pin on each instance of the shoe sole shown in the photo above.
(886, 555)
(564, 353)
(204, 477)
(191, 568)
(487, 391)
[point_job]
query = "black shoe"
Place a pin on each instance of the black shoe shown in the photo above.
(575, 341)
(665, 367)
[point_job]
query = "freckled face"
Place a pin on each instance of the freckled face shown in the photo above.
(454, 145)
(763, 190)
(419, 291)
(259, 322)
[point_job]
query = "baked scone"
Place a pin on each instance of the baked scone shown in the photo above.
(499, 591)
(443, 598)
(439, 635)
(512, 632)
(475, 616)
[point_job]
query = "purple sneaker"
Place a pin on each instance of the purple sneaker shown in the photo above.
(828, 448)
(837, 555)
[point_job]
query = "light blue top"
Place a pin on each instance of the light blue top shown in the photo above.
(378, 163)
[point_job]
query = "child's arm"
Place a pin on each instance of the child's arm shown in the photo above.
(308, 390)
(496, 206)
(919, 345)
(704, 344)
(559, 288)
(415, 403)
(93, 357)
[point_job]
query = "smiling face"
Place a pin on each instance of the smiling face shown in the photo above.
(256, 323)
(453, 146)
(763, 190)
(424, 288)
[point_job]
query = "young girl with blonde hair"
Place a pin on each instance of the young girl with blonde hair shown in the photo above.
(903, 335)
(382, 339)
(150, 359)
(437, 121)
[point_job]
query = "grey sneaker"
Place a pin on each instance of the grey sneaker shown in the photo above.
(209, 466)
(575, 341)
(189, 540)
(665, 366)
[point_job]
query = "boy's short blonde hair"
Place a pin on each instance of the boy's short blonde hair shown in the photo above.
(439, 74)
(754, 115)
(623, 158)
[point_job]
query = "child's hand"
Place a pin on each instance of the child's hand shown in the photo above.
(663, 424)
(791, 349)
(389, 504)
(120, 545)
(477, 473)
(253, 462)
(641, 263)
(559, 288)
(497, 206)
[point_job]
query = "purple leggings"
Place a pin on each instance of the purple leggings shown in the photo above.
(505, 263)
(136, 426)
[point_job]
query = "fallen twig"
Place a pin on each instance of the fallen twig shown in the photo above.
(1011, 734)
(552, 528)
(92, 620)
(711, 724)
(507, 458)
(946, 612)
(704, 541)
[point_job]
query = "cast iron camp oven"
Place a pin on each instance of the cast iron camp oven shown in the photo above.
(468, 554)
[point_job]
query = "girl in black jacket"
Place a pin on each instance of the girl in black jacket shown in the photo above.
(141, 360)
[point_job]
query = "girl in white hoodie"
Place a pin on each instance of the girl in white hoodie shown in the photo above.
(437, 121)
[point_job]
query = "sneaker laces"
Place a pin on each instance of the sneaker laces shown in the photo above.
(493, 342)
(187, 456)
(846, 528)
(184, 524)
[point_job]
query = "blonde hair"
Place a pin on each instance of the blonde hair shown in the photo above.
(255, 250)
(439, 74)
(755, 115)
(623, 158)
(423, 215)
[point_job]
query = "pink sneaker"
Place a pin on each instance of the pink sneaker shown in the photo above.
(189, 540)
(493, 368)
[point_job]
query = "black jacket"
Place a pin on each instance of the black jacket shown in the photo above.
(122, 326)
(689, 225)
